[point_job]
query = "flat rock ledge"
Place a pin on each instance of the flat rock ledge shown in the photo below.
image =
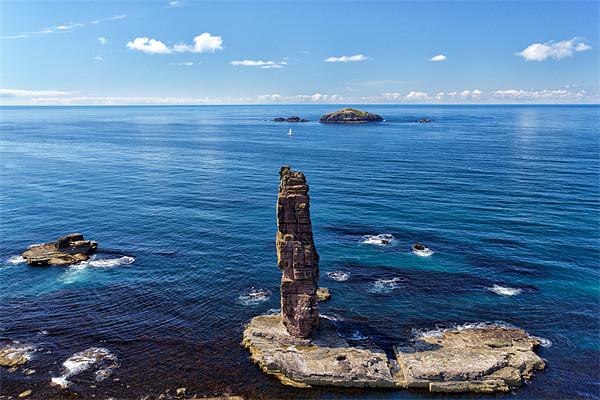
(483, 360)
(326, 359)
(69, 249)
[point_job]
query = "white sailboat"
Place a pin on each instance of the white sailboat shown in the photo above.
(290, 132)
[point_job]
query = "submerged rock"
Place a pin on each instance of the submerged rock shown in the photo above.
(490, 359)
(418, 246)
(423, 120)
(290, 119)
(66, 250)
(326, 359)
(350, 116)
(297, 257)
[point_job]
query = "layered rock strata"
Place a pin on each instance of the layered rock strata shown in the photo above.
(350, 116)
(325, 360)
(490, 359)
(66, 250)
(297, 257)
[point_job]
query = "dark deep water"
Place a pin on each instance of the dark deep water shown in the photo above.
(182, 203)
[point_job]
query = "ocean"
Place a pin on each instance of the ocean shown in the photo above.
(182, 203)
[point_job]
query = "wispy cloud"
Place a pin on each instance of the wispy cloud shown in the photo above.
(259, 63)
(113, 18)
(202, 43)
(103, 40)
(98, 58)
(382, 82)
(46, 31)
(439, 57)
(174, 3)
(556, 50)
(358, 57)
(186, 63)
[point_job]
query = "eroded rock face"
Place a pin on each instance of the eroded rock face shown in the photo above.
(350, 116)
(66, 250)
(490, 359)
(297, 257)
(324, 360)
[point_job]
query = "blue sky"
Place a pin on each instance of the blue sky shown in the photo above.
(245, 52)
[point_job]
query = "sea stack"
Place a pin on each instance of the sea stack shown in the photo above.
(297, 257)
(69, 249)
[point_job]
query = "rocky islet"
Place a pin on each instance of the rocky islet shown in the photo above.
(350, 116)
(69, 249)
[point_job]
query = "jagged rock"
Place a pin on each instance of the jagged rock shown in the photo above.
(350, 116)
(418, 246)
(326, 359)
(490, 359)
(323, 294)
(66, 250)
(297, 257)
(290, 119)
(424, 120)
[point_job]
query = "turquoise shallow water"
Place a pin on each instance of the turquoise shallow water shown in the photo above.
(182, 202)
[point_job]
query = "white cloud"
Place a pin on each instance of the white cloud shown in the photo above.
(103, 40)
(259, 63)
(556, 50)
(114, 18)
(149, 46)
(98, 58)
(46, 31)
(358, 57)
(202, 43)
(187, 63)
(174, 4)
(30, 93)
(439, 57)
(416, 96)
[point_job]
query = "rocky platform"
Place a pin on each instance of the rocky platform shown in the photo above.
(326, 359)
(350, 116)
(66, 250)
(484, 360)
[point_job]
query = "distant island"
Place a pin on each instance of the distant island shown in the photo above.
(290, 119)
(350, 116)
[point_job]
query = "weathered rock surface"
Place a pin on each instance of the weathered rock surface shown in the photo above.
(323, 294)
(324, 360)
(490, 359)
(418, 246)
(297, 257)
(350, 116)
(423, 120)
(66, 250)
(290, 119)
(14, 354)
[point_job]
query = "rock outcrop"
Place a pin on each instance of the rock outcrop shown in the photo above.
(325, 360)
(15, 353)
(297, 257)
(423, 120)
(323, 294)
(290, 119)
(490, 359)
(350, 116)
(66, 250)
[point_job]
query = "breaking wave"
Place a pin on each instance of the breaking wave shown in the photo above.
(384, 285)
(426, 252)
(254, 296)
(84, 360)
(16, 260)
(111, 262)
(379, 240)
(505, 291)
(339, 276)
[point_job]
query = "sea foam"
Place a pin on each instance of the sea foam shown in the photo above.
(16, 260)
(254, 296)
(379, 240)
(426, 252)
(84, 360)
(339, 276)
(384, 285)
(504, 291)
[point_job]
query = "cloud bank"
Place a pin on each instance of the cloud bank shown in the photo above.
(556, 50)
(203, 43)
(358, 57)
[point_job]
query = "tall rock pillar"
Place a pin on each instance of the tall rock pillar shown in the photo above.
(297, 257)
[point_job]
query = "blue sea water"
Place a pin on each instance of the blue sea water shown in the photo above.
(182, 203)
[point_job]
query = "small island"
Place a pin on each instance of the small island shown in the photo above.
(350, 116)
(291, 119)
(66, 250)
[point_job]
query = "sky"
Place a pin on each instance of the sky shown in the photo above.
(299, 52)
